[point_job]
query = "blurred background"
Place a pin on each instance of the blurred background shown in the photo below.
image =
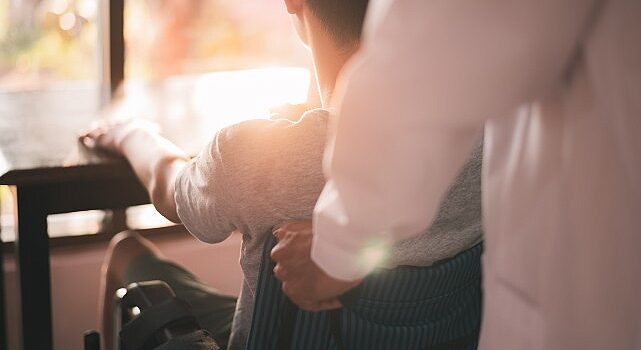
(211, 62)
(48, 42)
(53, 48)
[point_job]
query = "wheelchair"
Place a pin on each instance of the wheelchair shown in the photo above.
(437, 307)
(146, 316)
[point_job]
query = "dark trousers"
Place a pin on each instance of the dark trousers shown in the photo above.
(436, 307)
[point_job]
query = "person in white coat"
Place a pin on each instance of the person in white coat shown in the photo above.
(557, 86)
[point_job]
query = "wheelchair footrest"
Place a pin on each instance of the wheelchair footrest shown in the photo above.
(158, 324)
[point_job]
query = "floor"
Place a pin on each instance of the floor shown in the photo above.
(75, 277)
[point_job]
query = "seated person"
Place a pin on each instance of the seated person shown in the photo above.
(239, 183)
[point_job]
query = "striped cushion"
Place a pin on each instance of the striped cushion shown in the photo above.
(436, 307)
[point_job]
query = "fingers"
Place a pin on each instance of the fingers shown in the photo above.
(111, 124)
(279, 252)
(87, 141)
(302, 226)
(292, 246)
(282, 248)
(280, 272)
(91, 138)
(279, 233)
(95, 138)
(291, 254)
(294, 267)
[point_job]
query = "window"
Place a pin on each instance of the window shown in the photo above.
(44, 43)
(168, 37)
(51, 51)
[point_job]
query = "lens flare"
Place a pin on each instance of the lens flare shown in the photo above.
(67, 21)
(374, 254)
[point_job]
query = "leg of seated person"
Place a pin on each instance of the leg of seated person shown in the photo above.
(123, 249)
(132, 258)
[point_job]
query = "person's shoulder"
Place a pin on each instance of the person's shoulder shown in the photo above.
(257, 129)
(294, 112)
(316, 114)
(315, 119)
(265, 138)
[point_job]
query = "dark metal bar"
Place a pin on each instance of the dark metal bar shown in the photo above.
(116, 44)
(75, 196)
(115, 220)
(3, 322)
(33, 270)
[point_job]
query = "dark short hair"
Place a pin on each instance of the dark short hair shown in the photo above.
(343, 19)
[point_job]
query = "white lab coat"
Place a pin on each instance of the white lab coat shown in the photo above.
(559, 93)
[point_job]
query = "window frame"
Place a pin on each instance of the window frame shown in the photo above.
(112, 46)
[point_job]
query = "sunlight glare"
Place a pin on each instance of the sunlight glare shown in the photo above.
(212, 101)
(58, 6)
(240, 95)
(87, 8)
